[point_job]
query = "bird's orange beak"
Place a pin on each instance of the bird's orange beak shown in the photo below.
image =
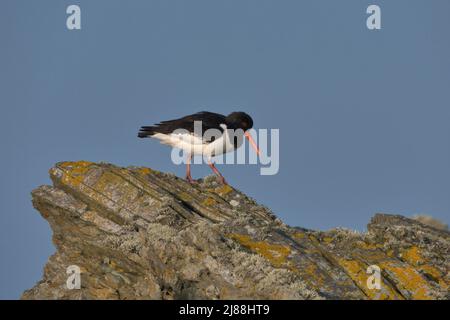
(252, 142)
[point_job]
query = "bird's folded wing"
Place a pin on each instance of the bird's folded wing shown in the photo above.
(205, 121)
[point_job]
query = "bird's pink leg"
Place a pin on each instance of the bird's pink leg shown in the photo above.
(214, 169)
(188, 169)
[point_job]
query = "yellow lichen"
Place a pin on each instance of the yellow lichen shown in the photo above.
(209, 202)
(357, 271)
(299, 235)
(368, 246)
(75, 164)
(327, 239)
(145, 171)
(224, 190)
(431, 271)
(434, 273)
(413, 256)
(184, 196)
(317, 277)
(408, 279)
(74, 172)
(108, 187)
(276, 254)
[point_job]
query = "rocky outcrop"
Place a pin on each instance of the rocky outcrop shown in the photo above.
(136, 233)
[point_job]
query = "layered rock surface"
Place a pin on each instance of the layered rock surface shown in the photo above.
(136, 233)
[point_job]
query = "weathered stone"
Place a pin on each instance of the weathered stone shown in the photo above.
(137, 233)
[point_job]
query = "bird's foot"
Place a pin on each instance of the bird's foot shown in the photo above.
(190, 180)
(222, 180)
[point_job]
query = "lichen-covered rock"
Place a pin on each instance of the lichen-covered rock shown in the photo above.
(136, 233)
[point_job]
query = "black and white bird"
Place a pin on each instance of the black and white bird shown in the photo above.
(183, 133)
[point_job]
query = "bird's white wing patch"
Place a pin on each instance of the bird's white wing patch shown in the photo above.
(185, 141)
(188, 138)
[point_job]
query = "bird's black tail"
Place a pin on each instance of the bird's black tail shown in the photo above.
(145, 132)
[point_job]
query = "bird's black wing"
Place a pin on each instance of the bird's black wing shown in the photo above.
(210, 120)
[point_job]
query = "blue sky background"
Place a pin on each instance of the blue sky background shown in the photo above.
(363, 116)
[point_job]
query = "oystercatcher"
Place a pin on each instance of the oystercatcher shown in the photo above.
(190, 133)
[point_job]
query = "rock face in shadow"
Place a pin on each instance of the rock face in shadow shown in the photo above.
(136, 233)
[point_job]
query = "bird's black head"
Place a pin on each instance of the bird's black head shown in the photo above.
(239, 120)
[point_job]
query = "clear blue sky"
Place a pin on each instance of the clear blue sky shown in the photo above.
(363, 116)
